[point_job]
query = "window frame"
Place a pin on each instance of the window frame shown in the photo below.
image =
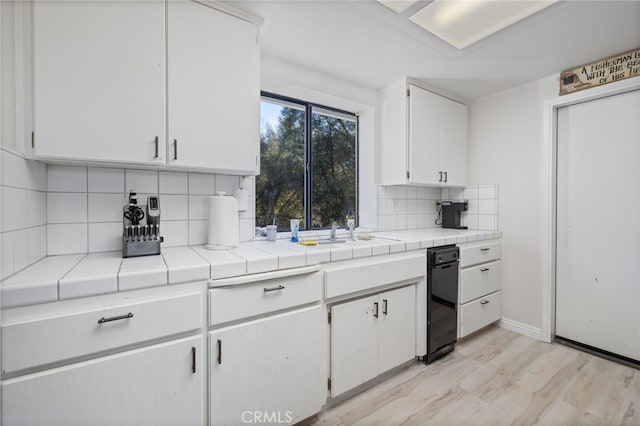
(308, 174)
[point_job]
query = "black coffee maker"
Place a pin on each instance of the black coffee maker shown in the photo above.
(451, 211)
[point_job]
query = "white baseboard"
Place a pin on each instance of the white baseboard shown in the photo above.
(518, 327)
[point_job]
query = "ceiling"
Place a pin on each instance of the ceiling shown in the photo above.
(367, 44)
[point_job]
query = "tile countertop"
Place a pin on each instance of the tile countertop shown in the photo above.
(72, 276)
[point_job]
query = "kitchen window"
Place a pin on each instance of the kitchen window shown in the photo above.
(308, 164)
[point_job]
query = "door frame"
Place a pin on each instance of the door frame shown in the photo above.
(549, 196)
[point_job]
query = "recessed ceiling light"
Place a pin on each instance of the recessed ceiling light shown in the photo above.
(397, 6)
(463, 22)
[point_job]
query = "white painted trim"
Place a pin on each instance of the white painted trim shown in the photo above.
(548, 212)
(435, 90)
(520, 328)
(232, 10)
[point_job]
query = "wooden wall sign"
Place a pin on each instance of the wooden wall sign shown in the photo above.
(605, 71)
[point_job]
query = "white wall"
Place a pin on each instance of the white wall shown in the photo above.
(506, 148)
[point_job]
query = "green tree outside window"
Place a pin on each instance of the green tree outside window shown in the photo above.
(326, 192)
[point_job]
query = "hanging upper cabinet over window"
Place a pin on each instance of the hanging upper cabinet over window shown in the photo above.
(109, 76)
(423, 137)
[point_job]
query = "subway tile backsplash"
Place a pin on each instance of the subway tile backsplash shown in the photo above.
(56, 209)
(406, 207)
(483, 205)
(410, 207)
(23, 230)
(98, 209)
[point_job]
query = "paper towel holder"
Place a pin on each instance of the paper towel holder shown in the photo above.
(241, 195)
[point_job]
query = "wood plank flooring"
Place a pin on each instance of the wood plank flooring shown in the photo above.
(498, 377)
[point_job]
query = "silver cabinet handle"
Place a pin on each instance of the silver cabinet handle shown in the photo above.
(175, 149)
(280, 287)
(119, 317)
(156, 142)
(440, 180)
(384, 306)
(484, 302)
(485, 269)
(445, 176)
(375, 309)
(485, 249)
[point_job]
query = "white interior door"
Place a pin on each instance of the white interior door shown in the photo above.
(598, 224)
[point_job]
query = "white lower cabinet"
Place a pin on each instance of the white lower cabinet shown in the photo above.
(370, 336)
(130, 358)
(479, 313)
(159, 384)
(267, 370)
(480, 283)
(267, 348)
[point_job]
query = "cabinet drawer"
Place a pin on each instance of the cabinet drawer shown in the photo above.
(361, 275)
(483, 311)
(482, 251)
(480, 280)
(67, 335)
(248, 300)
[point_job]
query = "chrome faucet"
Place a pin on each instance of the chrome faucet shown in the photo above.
(351, 223)
(334, 227)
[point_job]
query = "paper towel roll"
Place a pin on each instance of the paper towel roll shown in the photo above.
(224, 224)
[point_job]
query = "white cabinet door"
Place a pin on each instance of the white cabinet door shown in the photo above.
(354, 344)
(270, 367)
(397, 327)
(214, 90)
(425, 133)
(99, 81)
(370, 336)
(437, 139)
(149, 386)
(454, 142)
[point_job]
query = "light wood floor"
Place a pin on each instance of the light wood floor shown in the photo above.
(498, 377)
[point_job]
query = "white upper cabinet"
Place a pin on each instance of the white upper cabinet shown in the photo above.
(99, 81)
(214, 90)
(423, 137)
(112, 78)
(454, 142)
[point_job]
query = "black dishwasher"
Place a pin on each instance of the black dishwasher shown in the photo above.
(442, 301)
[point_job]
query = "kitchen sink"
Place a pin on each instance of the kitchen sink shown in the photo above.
(331, 241)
